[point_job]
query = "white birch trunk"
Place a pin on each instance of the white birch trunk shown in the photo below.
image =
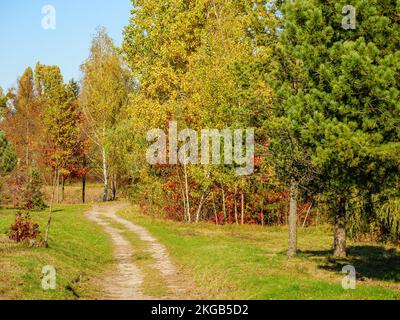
(105, 174)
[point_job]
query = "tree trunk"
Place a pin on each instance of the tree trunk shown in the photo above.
(58, 185)
(84, 188)
(224, 205)
(200, 208)
(235, 203)
(84, 180)
(308, 213)
(105, 176)
(62, 188)
(340, 231)
(46, 237)
(185, 218)
(114, 187)
(242, 211)
(187, 194)
(293, 219)
(215, 209)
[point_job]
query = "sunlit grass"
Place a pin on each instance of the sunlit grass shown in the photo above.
(249, 262)
(79, 250)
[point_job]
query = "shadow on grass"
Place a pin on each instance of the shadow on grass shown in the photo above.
(371, 262)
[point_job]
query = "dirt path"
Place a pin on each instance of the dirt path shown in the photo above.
(125, 282)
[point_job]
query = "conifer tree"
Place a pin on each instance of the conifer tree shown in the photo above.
(3, 102)
(8, 158)
(342, 104)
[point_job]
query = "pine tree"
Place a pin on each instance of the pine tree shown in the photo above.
(8, 158)
(8, 161)
(3, 103)
(342, 105)
(33, 195)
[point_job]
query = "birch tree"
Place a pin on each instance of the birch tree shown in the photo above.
(104, 93)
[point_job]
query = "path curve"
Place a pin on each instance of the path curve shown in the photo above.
(125, 282)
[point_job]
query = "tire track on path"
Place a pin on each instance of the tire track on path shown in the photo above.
(126, 281)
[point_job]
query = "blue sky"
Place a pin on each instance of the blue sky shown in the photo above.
(25, 42)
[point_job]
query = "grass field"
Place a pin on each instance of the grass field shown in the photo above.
(249, 262)
(214, 262)
(79, 250)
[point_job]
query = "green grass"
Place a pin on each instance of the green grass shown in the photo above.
(249, 262)
(214, 262)
(79, 250)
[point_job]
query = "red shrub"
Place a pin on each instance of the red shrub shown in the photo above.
(24, 228)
